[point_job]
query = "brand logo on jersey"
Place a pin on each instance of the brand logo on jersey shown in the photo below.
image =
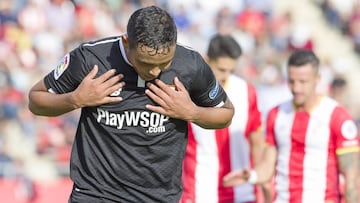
(349, 130)
(152, 121)
(116, 93)
(61, 67)
(214, 91)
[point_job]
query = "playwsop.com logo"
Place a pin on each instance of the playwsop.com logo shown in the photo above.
(153, 122)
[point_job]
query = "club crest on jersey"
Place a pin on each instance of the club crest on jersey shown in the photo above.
(61, 67)
(349, 130)
(214, 91)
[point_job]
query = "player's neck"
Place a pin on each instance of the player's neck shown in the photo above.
(310, 105)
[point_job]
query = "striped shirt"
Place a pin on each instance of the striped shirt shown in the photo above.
(308, 144)
(211, 154)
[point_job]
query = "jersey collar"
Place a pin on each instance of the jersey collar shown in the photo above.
(123, 52)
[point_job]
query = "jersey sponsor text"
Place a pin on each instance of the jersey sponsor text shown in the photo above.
(154, 122)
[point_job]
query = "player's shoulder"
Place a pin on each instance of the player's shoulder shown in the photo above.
(238, 80)
(189, 61)
(284, 106)
(338, 112)
(328, 104)
(106, 40)
(187, 52)
(99, 48)
(99, 44)
(328, 101)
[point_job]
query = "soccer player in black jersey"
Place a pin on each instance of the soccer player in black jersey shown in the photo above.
(136, 91)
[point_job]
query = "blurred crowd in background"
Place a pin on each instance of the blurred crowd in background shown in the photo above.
(35, 34)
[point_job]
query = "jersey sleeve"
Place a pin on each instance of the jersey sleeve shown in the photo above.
(344, 131)
(205, 89)
(254, 120)
(68, 74)
(270, 126)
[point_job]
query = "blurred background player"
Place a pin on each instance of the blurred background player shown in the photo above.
(211, 154)
(311, 139)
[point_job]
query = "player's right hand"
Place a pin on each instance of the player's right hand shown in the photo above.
(94, 91)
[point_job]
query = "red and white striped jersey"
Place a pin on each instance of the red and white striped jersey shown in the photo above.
(307, 144)
(211, 154)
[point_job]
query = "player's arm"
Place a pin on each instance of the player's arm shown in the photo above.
(266, 189)
(348, 166)
(265, 169)
(91, 92)
(178, 104)
(213, 117)
(44, 103)
(254, 126)
(257, 147)
(262, 173)
(347, 151)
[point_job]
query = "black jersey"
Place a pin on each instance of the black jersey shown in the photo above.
(123, 152)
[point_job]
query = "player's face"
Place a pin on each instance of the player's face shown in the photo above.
(149, 64)
(222, 68)
(302, 81)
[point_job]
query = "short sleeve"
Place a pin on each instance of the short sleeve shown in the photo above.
(344, 131)
(270, 126)
(205, 90)
(68, 73)
(254, 120)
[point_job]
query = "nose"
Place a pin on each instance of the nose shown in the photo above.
(296, 87)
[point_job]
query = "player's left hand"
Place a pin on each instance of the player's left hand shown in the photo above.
(237, 177)
(173, 103)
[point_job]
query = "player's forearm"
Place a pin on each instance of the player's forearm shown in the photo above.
(266, 190)
(257, 147)
(351, 186)
(266, 168)
(348, 166)
(48, 104)
(213, 117)
(256, 152)
(265, 185)
(351, 191)
(264, 173)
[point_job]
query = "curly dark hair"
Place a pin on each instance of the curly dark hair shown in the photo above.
(152, 27)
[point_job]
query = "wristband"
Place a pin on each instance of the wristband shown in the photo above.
(252, 177)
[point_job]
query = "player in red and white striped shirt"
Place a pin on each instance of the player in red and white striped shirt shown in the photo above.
(211, 154)
(312, 139)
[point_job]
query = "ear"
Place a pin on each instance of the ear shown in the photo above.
(206, 58)
(318, 77)
(125, 41)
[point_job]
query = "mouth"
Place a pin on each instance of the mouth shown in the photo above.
(222, 82)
